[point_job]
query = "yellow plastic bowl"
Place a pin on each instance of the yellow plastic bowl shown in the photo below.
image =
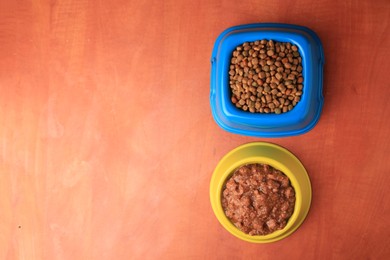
(279, 158)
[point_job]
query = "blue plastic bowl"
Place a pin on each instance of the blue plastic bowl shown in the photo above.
(303, 117)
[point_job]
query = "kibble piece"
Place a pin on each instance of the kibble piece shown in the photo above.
(278, 76)
(291, 77)
(288, 82)
(281, 87)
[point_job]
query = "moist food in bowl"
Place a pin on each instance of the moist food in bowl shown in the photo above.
(258, 199)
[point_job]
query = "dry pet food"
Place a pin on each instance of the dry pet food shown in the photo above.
(258, 199)
(266, 76)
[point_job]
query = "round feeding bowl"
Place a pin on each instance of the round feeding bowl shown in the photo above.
(303, 117)
(277, 157)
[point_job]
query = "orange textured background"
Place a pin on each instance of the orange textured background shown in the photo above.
(107, 143)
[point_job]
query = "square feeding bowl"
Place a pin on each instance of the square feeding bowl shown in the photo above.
(303, 117)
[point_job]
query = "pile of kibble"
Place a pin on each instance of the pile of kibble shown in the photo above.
(266, 76)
